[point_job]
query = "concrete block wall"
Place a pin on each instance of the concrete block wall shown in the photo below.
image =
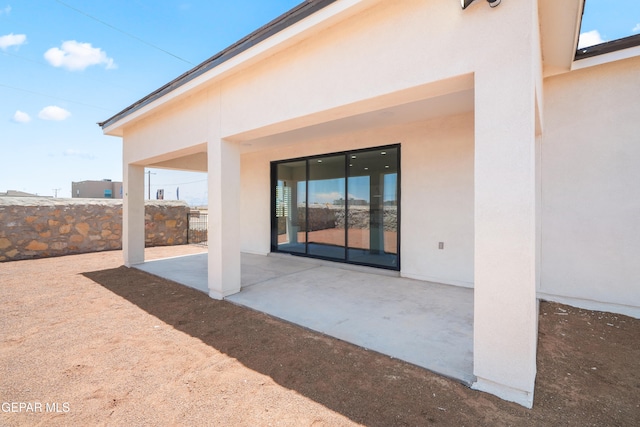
(33, 227)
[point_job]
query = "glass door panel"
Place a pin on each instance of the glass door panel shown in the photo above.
(342, 207)
(372, 207)
(290, 206)
(326, 207)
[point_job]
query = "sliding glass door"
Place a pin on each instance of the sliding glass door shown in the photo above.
(290, 203)
(341, 207)
(372, 222)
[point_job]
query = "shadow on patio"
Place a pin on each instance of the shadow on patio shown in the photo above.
(427, 324)
(345, 378)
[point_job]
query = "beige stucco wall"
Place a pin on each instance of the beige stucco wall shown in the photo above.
(474, 174)
(331, 75)
(590, 182)
(436, 189)
(179, 130)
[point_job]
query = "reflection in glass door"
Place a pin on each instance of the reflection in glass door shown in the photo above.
(326, 208)
(290, 206)
(340, 207)
(372, 207)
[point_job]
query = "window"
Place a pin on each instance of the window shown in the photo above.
(341, 207)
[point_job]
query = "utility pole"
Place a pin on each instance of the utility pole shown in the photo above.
(149, 187)
(55, 192)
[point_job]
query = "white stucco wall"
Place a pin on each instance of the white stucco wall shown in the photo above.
(469, 180)
(437, 202)
(590, 188)
(391, 53)
(436, 191)
(182, 128)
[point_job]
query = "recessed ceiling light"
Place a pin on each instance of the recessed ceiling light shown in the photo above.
(350, 165)
(386, 166)
(383, 153)
(319, 161)
(353, 157)
(366, 169)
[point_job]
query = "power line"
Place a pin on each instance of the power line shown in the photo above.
(56, 97)
(123, 32)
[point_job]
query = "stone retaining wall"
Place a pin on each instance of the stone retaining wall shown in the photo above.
(33, 227)
(328, 217)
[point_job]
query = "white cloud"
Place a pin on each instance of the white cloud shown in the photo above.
(77, 153)
(6, 10)
(636, 29)
(75, 56)
(21, 117)
(12, 40)
(590, 38)
(53, 112)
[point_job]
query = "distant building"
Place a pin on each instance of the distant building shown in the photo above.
(105, 189)
(14, 193)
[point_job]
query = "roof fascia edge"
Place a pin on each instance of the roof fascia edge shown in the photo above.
(197, 76)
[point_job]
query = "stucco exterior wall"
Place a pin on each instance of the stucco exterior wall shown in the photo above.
(590, 181)
(331, 75)
(469, 180)
(333, 72)
(156, 138)
(436, 189)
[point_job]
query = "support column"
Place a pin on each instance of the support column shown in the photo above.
(133, 215)
(505, 304)
(224, 218)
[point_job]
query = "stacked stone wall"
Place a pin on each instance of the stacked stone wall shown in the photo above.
(329, 217)
(32, 227)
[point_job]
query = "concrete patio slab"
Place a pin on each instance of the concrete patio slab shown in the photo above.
(427, 324)
(189, 270)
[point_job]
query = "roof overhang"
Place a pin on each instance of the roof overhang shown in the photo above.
(300, 22)
(559, 32)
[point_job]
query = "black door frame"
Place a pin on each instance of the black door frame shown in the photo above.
(307, 159)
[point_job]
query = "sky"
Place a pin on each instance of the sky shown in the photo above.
(67, 64)
(608, 20)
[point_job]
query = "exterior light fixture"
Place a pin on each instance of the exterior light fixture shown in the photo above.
(383, 153)
(465, 3)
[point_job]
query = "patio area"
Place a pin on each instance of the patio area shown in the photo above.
(427, 324)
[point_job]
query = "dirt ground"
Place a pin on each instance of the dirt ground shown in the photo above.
(95, 343)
